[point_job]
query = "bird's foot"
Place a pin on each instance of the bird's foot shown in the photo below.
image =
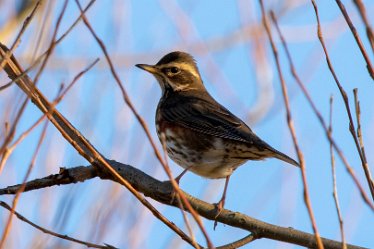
(219, 208)
(174, 193)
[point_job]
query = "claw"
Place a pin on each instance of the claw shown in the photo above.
(221, 203)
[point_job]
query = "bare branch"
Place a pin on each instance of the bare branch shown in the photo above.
(300, 155)
(163, 192)
(346, 103)
(246, 240)
(20, 190)
(335, 189)
(18, 39)
(369, 30)
(44, 230)
(357, 38)
(322, 121)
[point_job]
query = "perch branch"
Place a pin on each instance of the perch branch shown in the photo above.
(163, 192)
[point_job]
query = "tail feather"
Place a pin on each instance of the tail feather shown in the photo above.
(285, 158)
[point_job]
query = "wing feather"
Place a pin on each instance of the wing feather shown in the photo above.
(206, 116)
(210, 118)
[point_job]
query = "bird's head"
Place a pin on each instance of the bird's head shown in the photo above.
(176, 71)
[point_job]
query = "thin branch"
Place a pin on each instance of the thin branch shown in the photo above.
(349, 169)
(52, 44)
(12, 129)
(22, 187)
(163, 192)
(4, 150)
(5, 58)
(369, 30)
(61, 38)
(60, 96)
(44, 230)
(335, 189)
(300, 155)
(18, 39)
(239, 243)
(357, 38)
(346, 103)
(76, 78)
(359, 131)
(179, 196)
(120, 85)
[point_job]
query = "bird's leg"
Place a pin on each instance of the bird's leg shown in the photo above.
(221, 202)
(177, 179)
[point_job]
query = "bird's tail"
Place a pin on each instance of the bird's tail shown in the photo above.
(285, 158)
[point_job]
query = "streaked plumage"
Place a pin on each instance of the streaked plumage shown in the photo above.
(202, 135)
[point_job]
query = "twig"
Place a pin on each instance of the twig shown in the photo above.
(359, 132)
(350, 170)
(163, 193)
(18, 39)
(9, 137)
(11, 132)
(300, 155)
(76, 78)
(179, 195)
(346, 103)
(120, 85)
(236, 244)
(61, 38)
(369, 30)
(20, 190)
(357, 38)
(52, 44)
(3, 149)
(60, 96)
(335, 189)
(44, 230)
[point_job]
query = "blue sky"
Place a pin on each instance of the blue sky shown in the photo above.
(235, 60)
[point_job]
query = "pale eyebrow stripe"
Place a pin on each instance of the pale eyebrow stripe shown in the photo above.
(189, 68)
(185, 66)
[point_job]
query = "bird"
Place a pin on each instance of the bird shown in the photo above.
(200, 134)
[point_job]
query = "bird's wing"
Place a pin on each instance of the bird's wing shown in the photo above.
(209, 118)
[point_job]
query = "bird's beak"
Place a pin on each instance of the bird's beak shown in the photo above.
(149, 68)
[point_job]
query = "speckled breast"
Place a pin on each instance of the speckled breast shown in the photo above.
(203, 154)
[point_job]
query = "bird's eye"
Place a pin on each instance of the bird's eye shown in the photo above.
(174, 70)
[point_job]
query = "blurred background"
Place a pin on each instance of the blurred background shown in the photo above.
(233, 53)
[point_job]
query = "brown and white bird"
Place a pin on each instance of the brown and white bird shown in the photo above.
(201, 135)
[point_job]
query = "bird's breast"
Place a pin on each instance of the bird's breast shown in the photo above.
(203, 154)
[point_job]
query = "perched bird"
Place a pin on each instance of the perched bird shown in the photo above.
(201, 135)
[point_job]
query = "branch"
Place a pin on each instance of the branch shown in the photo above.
(357, 38)
(44, 230)
(163, 192)
(346, 103)
(291, 127)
